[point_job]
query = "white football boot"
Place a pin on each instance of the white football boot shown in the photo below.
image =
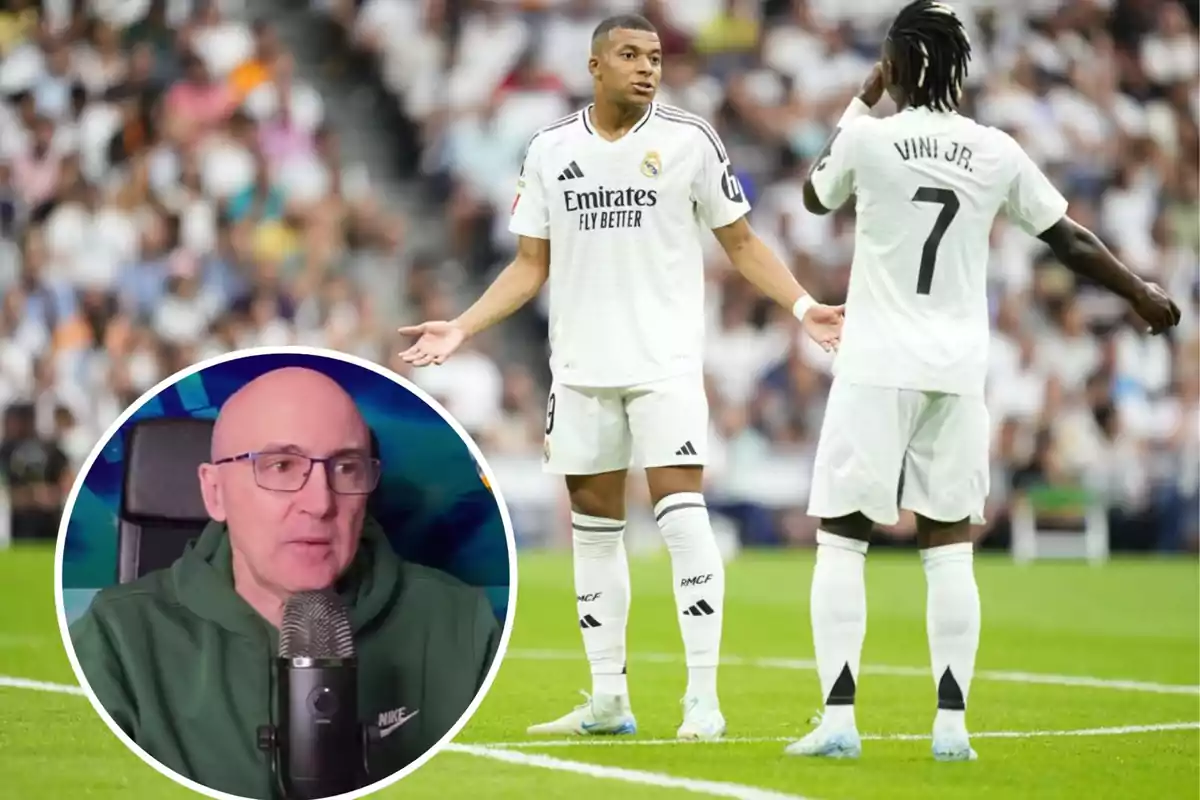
(828, 741)
(702, 719)
(952, 743)
(602, 715)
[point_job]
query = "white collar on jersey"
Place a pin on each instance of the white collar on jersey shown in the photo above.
(585, 116)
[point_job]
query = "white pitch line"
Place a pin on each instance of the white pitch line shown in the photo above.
(883, 669)
(658, 779)
(504, 751)
(606, 741)
(38, 686)
(712, 788)
(64, 688)
(1119, 730)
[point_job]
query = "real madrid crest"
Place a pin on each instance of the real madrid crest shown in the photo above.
(652, 164)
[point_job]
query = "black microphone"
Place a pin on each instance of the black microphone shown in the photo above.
(319, 741)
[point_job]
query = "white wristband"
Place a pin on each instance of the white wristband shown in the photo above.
(801, 306)
(856, 109)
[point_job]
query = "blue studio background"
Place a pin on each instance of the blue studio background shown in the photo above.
(432, 498)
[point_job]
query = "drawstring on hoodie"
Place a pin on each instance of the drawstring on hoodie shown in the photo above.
(274, 779)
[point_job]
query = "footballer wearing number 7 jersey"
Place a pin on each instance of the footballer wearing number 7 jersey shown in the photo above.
(907, 395)
(611, 203)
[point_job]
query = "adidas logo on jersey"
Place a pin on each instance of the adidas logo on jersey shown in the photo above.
(571, 172)
(686, 450)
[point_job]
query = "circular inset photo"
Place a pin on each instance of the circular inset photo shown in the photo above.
(285, 573)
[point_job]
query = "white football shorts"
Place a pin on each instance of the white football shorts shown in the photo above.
(871, 434)
(659, 424)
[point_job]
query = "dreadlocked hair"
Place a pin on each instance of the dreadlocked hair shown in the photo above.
(930, 51)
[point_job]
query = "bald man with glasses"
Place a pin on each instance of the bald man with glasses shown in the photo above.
(182, 659)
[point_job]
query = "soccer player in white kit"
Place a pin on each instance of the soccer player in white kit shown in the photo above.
(610, 208)
(907, 396)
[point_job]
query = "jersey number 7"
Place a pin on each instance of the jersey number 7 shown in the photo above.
(949, 203)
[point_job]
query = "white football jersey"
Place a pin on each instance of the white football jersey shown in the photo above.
(623, 219)
(928, 186)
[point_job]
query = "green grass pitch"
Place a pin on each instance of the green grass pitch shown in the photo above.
(1132, 620)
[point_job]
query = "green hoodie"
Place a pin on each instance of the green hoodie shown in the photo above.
(186, 667)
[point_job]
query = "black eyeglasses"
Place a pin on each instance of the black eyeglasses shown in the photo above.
(288, 472)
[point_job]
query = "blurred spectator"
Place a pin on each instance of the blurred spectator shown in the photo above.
(199, 102)
(36, 473)
(169, 191)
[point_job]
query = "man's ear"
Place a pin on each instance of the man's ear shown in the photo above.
(210, 490)
(594, 65)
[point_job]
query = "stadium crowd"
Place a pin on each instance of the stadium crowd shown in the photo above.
(170, 190)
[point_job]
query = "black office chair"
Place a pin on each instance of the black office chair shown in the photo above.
(161, 505)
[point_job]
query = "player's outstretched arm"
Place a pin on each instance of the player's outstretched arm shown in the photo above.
(1082, 252)
(515, 286)
(758, 264)
(835, 183)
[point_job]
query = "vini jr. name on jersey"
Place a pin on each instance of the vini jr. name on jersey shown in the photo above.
(606, 209)
(928, 147)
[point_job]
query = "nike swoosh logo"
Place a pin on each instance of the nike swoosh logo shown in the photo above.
(389, 729)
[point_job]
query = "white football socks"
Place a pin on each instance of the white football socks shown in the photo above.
(699, 581)
(839, 622)
(602, 598)
(952, 619)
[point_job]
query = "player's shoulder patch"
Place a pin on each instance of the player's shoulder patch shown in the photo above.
(677, 116)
